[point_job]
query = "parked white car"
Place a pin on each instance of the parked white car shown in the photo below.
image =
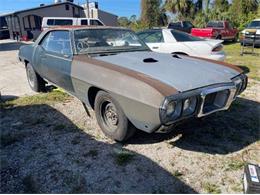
(177, 42)
(48, 22)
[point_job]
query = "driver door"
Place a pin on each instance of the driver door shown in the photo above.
(55, 55)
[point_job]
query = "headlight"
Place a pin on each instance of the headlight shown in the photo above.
(189, 106)
(170, 108)
(173, 109)
(170, 111)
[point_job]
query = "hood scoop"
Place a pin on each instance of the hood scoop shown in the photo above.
(150, 60)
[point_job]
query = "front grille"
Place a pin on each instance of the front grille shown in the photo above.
(215, 101)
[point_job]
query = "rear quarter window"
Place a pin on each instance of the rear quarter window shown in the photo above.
(95, 23)
(184, 37)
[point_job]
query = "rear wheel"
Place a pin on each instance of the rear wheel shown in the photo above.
(35, 81)
(111, 118)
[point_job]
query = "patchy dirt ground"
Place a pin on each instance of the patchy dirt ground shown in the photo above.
(49, 145)
(54, 147)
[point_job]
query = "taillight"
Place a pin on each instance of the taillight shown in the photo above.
(218, 48)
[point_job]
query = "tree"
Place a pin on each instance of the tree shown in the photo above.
(150, 15)
(183, 8)
(220, 5)
(243, 11)
(123, 21)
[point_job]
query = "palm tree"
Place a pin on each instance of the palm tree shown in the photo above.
(184, 8)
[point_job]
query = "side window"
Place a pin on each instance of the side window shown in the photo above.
(187, 24)
(50, 22)
(95, 23)
(63, 22)
(84, 22)
(153, 37)
(57, 42)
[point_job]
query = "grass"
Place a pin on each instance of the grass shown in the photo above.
(177, 173)
(211, 188)
(122, 157)
(42, 98)
(30, 186)
(235, 165)
(59, 127)
(92, 153)
(11, 138)
(250, 61)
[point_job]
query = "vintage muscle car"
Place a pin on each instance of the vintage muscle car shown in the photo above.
(129, 86)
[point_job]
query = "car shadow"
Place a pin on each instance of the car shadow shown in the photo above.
(4, 98)
(42, 151)
(11, 46)
(220, 133)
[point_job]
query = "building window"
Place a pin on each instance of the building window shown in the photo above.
(67, 7)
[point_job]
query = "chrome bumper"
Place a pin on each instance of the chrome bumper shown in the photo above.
(223, 97)
(210, 99)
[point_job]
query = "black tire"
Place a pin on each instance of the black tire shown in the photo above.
(111, 118)
(235, 39)
(35, 81)
(219, 37)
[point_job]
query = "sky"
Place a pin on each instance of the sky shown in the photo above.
(118, 7)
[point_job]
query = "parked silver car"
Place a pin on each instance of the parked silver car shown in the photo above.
(129, 86)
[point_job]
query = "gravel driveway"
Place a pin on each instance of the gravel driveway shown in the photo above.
(13, 80)
(53, 147)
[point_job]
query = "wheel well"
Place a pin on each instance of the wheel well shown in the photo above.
(180, 53)
(92, 93)
(26, 62)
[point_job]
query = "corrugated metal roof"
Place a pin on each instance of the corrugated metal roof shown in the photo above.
(40, 7)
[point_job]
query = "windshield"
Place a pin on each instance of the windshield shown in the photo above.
(184, 37)
(107, 40)
(215, 25)
(254, 24)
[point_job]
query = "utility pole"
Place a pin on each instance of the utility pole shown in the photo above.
(88, 7)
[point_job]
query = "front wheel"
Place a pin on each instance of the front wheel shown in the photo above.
(35, 81)
(111, 118)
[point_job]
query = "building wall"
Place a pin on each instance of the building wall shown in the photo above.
(107, 18)
(54, 11)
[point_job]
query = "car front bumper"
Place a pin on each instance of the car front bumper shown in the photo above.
(249, 42)
(210, 99)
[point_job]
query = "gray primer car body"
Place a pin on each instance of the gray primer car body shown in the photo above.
(139, 87)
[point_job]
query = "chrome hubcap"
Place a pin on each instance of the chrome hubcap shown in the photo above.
(30, 77)
(109, 114)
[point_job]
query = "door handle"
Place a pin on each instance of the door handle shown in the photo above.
(155, 47)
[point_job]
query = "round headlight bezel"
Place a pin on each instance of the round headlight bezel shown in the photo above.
(191, 108)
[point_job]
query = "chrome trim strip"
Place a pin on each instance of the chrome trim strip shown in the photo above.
(204, 93)
(63, 58)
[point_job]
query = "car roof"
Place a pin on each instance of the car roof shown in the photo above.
(258, 19)
(80, 27)
(68, 18)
